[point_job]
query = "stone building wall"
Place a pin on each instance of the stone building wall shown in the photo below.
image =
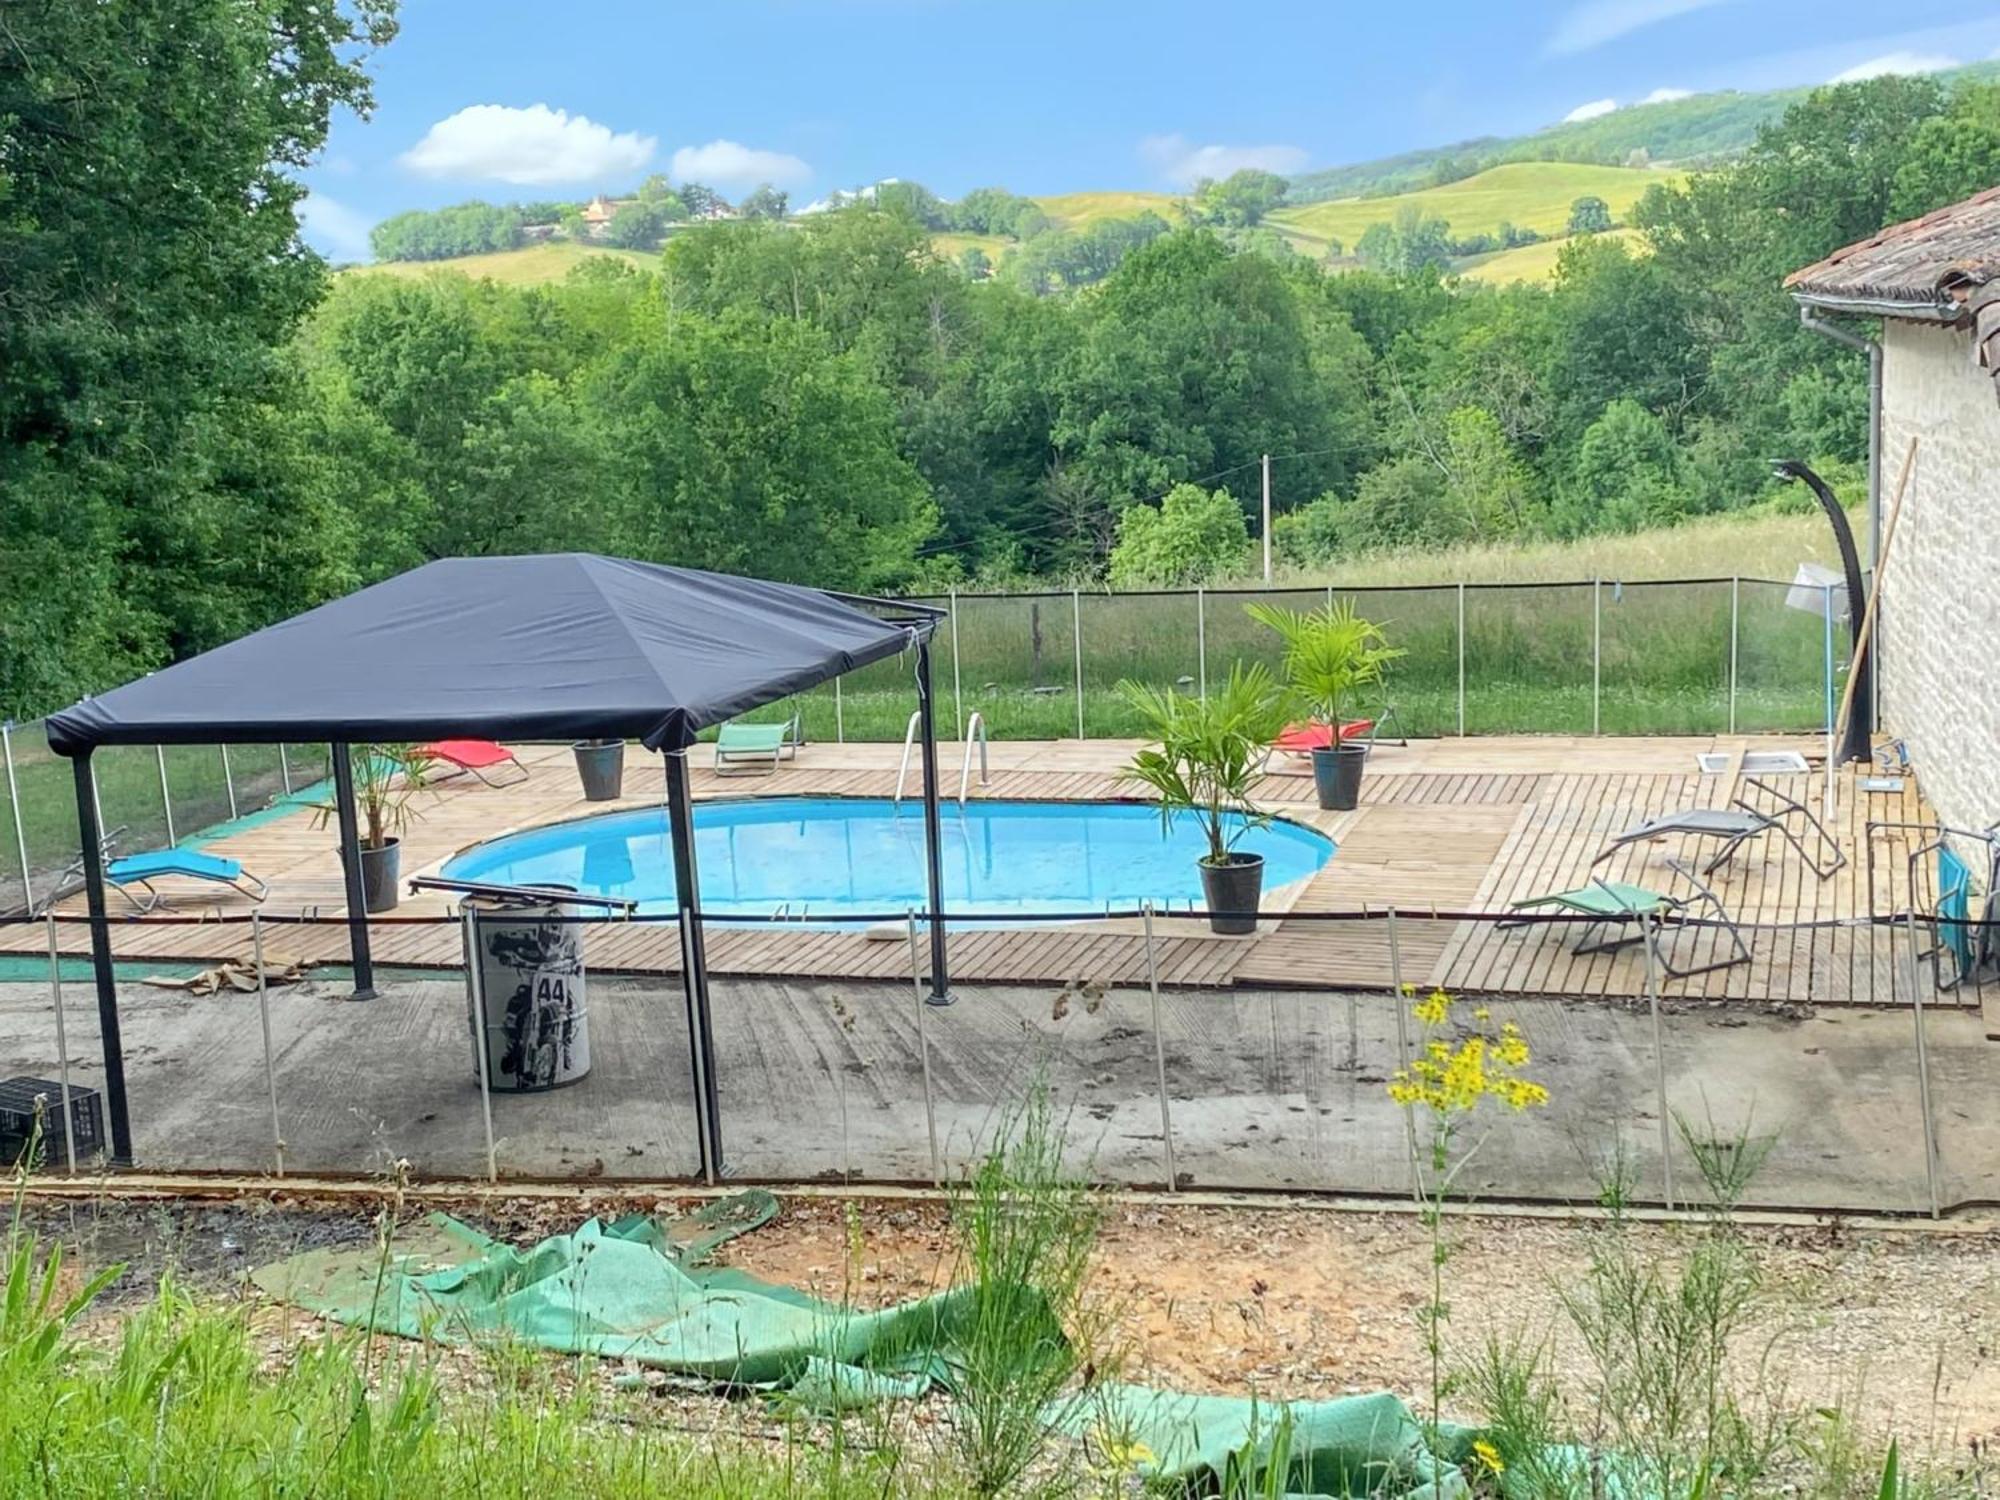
(1940, 623)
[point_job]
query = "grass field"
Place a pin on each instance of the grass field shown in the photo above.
(531, 265)
(1533, 262)
(1075, 210)
(951, 246)
(1533, 194)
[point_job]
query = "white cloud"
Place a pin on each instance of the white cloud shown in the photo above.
(1896, 62)
(1667, 96)
(1182, 163)
(533, 146)
(730, 165)
(1596, 109)
(332, 228)
(1590, 25)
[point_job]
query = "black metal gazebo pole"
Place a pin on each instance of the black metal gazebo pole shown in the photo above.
(933, 829)
(100, 961)
(350, 869)
(694, 964)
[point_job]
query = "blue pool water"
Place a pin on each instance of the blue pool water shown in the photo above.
(826, 857)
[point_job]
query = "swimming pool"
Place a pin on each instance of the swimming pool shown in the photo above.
(827, 857)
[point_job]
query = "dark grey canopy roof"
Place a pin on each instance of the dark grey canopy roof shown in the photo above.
(561, 646)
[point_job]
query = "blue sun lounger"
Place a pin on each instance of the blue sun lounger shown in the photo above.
(138, 872)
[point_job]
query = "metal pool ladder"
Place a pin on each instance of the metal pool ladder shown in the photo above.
(975, 732)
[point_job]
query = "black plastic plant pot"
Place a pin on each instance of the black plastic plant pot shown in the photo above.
(1337, 775)
(600, 766)
(379, 869)
(1231, 891)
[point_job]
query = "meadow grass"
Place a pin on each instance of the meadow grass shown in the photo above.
(1531, 194)
(1075, 210)
(1536, 262)
(530, 265)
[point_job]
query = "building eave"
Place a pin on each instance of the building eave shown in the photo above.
(1946, 311)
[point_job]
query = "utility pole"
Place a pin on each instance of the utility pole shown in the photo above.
(1267, 518)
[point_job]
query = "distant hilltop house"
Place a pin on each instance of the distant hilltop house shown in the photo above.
(598, 213)
(1935, 284)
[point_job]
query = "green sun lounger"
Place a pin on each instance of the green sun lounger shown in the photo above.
(755, 749)
(1627, 906)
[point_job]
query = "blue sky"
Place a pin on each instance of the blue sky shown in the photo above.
(519, 99)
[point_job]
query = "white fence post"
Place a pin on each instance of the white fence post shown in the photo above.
(1597, 656)
(1735, 619)
(839, 724)
(1648, 926)
(924, 1047)
(1076, 630)
(957, 702)
(1201, 640)
(1461, 658)
(1924, 1106)
(1403, 1047)
(1160, 1055)
(14, 800)
(264, 1020)
(62, 1047)
(476, 978)
(228, 782)
(166, 796)
(285, 767)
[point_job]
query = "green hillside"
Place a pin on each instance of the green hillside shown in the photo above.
(1533, 195)
(1075, 210)
(530, 265)
(1532, 262)
(1680, 132)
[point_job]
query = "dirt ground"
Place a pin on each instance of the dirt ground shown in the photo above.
(1900, 1327)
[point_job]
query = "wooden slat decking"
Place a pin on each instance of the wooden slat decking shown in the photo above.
(1447, 826)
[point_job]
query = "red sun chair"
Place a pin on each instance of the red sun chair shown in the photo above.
(1300, 740)
(483, 758)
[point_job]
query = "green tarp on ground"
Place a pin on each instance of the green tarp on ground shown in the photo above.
(639, 1289)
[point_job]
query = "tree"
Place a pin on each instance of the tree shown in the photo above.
(635, 226)
(1589, 214)
(702, 202)
(1193, 536)
(1951, 156)
(975, 262)
(149, 197)
(1240, 199)
(1626, 476)
(764, 202)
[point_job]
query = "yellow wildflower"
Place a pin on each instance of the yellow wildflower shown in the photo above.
(1488, 1455)
(1433, 1010)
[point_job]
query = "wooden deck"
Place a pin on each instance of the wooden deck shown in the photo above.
(1449, 827)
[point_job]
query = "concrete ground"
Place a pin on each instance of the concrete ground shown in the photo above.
(825, 1081)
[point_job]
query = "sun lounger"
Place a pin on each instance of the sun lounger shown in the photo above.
(126, 873)
(1735, 825)
(476, 756)
(754, 749)
(1300, 740)
(1639, 913)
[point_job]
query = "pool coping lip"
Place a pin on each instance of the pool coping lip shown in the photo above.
(1275, 902)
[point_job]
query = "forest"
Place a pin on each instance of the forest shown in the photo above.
(202, 430)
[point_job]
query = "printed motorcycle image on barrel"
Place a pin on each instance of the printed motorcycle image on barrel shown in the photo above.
(531, 993)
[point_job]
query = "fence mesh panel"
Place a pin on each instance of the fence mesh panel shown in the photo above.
(1665, 657)
(1527, 661)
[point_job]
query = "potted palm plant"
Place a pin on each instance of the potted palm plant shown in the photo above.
(1329, 654)
(1206, 758)
(387, 779)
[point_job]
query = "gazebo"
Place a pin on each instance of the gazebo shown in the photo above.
(569, 646)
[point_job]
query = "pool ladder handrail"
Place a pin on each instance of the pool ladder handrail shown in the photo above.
(975, 729)
(975, 732)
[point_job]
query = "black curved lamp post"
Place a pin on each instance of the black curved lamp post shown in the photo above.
(1858, 738)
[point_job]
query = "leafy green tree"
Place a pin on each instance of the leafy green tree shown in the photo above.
(1627, 474)
(149, 198)
(1413, 242)
(1241, 199)
(1589, 214)
(464, 229)
(1950, 156)
(764, 202)
(636, 226)
(1193, 536)
(975, 262)
(702, 202)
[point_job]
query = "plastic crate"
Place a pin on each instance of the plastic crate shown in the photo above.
(17, 1121)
